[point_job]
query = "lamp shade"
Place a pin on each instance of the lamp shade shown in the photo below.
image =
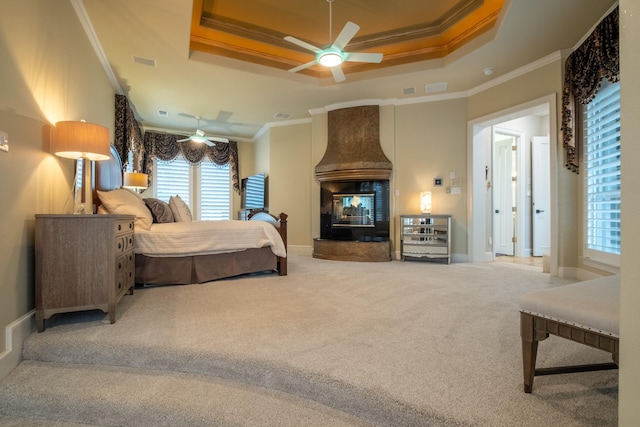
(425, 202)
(80, 139)
(135, 180)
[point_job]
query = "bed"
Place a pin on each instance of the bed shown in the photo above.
(178, 253)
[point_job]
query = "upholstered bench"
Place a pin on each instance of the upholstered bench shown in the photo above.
(586, 312)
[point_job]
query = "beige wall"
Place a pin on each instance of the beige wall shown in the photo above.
(431, 141)
(630, 276)
(48, 70)
(290, 179)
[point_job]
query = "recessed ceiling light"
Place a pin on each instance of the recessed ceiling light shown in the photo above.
(488, 71)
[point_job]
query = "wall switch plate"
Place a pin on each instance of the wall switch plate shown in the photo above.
(4, 141)
(456, 190)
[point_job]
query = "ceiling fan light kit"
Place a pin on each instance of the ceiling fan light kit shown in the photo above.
(330, 58)
(333, 56)
(200, 137)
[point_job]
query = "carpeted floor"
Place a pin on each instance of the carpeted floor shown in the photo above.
(332, 343)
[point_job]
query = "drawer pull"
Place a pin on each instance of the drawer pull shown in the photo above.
(119, 227)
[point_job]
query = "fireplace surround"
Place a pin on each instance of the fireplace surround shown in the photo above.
(355, 197)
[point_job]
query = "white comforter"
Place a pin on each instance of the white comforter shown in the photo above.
(207, 237)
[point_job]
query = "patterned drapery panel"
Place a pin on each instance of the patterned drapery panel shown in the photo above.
(127, 134)
(164, 146)
(597, 58)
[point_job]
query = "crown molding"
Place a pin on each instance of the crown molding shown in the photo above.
(84, 19)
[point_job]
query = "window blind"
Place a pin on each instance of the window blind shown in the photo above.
(602, 161)
(173, 178)
(214, 191)
(205, 188)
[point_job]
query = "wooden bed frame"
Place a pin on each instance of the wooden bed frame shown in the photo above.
(191, 269)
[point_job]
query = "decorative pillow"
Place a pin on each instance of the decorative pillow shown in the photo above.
(125, 202)
(160, 210)
(266, 217)
(180, 210)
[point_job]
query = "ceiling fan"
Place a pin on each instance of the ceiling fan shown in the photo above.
(335, 55)
(199, 135)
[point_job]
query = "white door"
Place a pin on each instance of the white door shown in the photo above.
(503, 219)
(541, 190)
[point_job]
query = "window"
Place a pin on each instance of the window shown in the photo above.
(602, 175)
(205, 188)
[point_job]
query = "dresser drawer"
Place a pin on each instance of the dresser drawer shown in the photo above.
(124, 243)
(123, 226)
(125, 270)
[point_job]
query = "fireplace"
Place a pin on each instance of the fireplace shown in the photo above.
(354, 210)
(354, 180)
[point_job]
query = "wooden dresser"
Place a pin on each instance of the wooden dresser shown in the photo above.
(83, 262)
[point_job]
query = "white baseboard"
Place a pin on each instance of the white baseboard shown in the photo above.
(15, 332)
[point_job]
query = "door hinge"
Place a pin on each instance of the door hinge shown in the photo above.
(514, 240)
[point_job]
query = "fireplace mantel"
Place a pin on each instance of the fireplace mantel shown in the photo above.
(354, 174)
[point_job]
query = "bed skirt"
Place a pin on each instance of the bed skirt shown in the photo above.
(202, 268)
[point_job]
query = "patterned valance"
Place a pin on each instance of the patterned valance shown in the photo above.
(164, 146)
(597, 58)
(127, 134)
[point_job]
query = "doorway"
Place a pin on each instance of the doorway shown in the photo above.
(515, 126)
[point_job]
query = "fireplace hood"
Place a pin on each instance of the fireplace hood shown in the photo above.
(353, 146)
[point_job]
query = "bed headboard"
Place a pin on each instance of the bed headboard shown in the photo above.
(107, 175)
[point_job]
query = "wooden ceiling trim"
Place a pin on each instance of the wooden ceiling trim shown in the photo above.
(233, 38)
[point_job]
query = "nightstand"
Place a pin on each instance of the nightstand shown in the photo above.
(425, 237)
(83, 262)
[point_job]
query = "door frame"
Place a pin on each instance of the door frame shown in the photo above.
(478, 133)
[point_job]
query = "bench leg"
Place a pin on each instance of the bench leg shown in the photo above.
(529, 350)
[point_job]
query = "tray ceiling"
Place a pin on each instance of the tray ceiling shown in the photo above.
(404, 31)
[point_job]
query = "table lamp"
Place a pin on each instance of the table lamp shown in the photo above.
(86, 141)
(136, 181)
(425, 202)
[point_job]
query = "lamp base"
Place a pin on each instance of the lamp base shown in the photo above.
(83, 198)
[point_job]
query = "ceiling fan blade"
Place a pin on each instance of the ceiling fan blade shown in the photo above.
(350, 29)
(363, 57)
(218, 139)
(209, 143)
(338, 75)
(300, 43)
(302, 67)
(183, 140)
